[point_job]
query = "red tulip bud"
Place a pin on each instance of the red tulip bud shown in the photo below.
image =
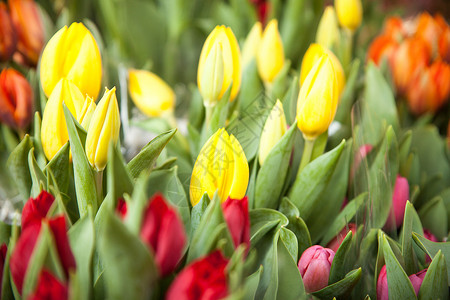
(36, 209)
(16, 99)
(121, 208)
(315, 265)
(8, 35)
(417, 279)
(203, 279)
(337, 241)
(238, 221)
(49, 288)
(382, 283)
(399, 199)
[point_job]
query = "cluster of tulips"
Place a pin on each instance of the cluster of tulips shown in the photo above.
(281, 186)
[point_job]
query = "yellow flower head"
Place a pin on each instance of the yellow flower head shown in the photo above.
(273, 131)
(72, 53)
(251, 44)
(221, 166)
(328, 32)
(270, 58)
(349, 13)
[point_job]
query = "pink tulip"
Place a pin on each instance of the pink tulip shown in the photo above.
(315, 265)
(429, 236)
(399, 199)
(382, 283)
(335, 243)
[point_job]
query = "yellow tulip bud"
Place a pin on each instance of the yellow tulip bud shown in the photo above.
(328, 32)
(349, 13)
(104, 129)
(72, 53)
(212, 77)
(87, 112)
(273, 130)
(318, 99)
(54, 133)
(270, 58)
(251, 44)
(312, 55)
(152, 95)
(231, 62)
(221, 166)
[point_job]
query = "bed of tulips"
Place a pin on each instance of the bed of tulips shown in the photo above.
(299, 151)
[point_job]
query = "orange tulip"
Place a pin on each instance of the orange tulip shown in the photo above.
(394, 28)
(429, 30)
(8, 35)
(409, 59)
(383, 46)
(27, 20)
(16, 99)
(444, 45)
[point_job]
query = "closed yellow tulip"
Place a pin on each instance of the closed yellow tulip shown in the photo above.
(273, 131)
(86, 113)
(231, 63)
(54, 133)
(103, 129)
(312, 55)
(270, 57)
(349, 13)
(220, 166)
(72, 53)
(318, 99)
(251, 44)
(152, 95)
(328, 32)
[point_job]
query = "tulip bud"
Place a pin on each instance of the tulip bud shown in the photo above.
(318, 99)
(54, 133)
(212, 78)
(312, 55)
(231, 63)
(337, 241)
(36, 209)
(236, 215)
(103, 129)
(16, 99)
(204, 278)
(349, 13)
(428, 29)
(270, 57)
(221, 166)
(273, 130)
(3, 253)
(315, 265)
(27, 20)
(72, 53)
(8, 35)
(328, 32)
(87, 111)
(150, 94)
(383, 288)
(399, 198)
(251, 44)
(429, 236)
(50, 288)
(444, 45)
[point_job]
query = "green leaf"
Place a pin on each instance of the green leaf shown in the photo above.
(337, 271)
(146, 158)
(119, 181)
(37, 176)
(290, 242)
(262, 220)
(252, 185)
(136, 207)
(434, 285)
(407, 248)
(59, 166)
(82, 242)
(290, 101)
(342, 288)
(434, 217)
(18, 166)
(400, 286)
(271, 176)
(83, 175)
(130, 272)
(197, 212)
(251, 87)
(343, 112)
(40, 156)
(251, 284)
(312, 180)
(296, 224)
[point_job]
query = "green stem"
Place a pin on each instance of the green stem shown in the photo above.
(209, 111)
(348, 47)
(307, 152)
(268, 86)
(99, 186)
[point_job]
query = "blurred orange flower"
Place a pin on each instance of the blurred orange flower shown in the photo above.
(8, 36)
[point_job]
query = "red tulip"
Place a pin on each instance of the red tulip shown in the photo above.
(8, 35)
(3, 252)
(238, 221)
(24, 248)
(49, 288)
(203, 279)
(417, 279)
(315, 265)
(382, 283)
(27, 21)
(16, 99)
(121, 208)
(399, 198)
(36, 209)
(337, 241)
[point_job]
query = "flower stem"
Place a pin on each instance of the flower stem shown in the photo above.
(99, 186)
(307, 152)
(209, 111)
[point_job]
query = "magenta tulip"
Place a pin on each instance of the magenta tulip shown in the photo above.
(315, 265)
(399, 199)
(382, 283)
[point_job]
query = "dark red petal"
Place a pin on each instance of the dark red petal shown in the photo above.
(58, 228)
(238, 221)
(121, 208)
(49, 288)
(36, 209)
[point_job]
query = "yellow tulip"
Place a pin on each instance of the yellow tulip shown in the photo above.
(270, 57)
(312, 55)
(87, 112)
(54, 133)
(349, 13)
(231, 62)
(152, 95)
(251, 44)
(318, 99)
(103, 129)
(72, 53)
(328, 32)
(211, 82)
(221, 166)
(273, 130)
